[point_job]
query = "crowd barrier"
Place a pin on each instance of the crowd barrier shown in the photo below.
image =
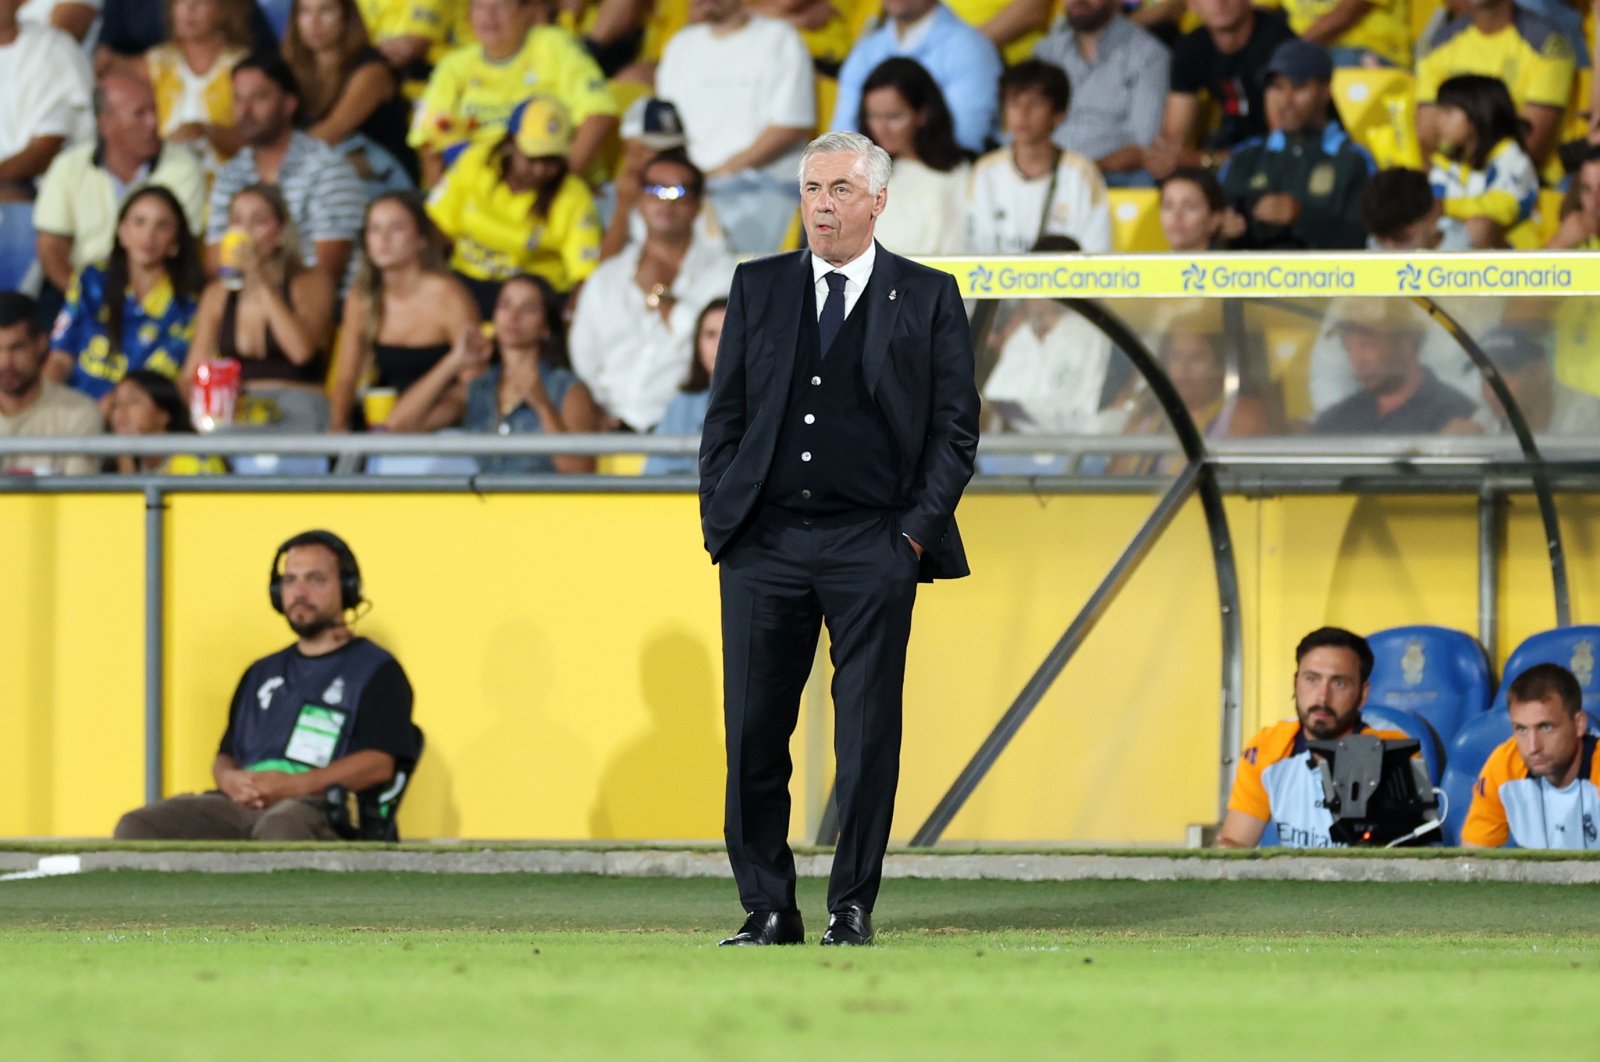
(562, 632)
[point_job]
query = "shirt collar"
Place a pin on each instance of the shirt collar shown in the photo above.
(857, 271)
(917, 32)
(1116, 32)
(157, 301)
(1331, 139)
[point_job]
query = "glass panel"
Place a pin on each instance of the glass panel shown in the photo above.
(1313, 367)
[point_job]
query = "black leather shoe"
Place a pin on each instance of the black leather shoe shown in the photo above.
(849, 926)
(768, 927)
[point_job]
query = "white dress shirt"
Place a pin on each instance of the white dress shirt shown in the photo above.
(856, 272)
(632, 360)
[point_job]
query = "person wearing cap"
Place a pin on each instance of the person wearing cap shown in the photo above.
(475, 89)
(1299, 187)
(1549, 406)
(743, 85)
(514, 206)
(650, 127)
(1398, 395)
(1226, 60)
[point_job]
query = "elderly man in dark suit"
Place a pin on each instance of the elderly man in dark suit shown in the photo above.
(840, 434)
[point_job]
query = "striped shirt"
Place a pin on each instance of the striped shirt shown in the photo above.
(326, 198)
(1119, 99)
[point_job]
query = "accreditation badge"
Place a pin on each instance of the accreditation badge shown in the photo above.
(1320, 183)
(316, 735)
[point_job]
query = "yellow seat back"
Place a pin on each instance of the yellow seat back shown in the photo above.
(1360, 94)
(1136, 220)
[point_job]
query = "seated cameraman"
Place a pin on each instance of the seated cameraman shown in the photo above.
(1538, 790)
(1276, 782)
(332, 709)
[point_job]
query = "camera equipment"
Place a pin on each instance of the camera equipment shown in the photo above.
(1376, 790)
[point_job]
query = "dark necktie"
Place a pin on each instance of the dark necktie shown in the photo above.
(832, 318)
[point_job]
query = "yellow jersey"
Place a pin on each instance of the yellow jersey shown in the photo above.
(470, 99)
(388, 19)
(1530, 55)
(1384, 30)
(496, 234)
(171, 83)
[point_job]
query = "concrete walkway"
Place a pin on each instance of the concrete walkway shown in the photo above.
(667, 861)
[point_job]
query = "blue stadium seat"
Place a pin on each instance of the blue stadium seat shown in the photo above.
(1466, 758)
(1438, 673)
(1413, 725)
(279, 465)
(278, 13)
(18, 256)
(1573, 648)
(421, 465)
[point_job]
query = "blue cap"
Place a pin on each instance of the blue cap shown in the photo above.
(1300, 61)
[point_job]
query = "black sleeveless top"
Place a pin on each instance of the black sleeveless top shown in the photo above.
(275, 365)
(400, 367)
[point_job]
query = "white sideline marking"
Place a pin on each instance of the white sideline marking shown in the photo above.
(49, 867)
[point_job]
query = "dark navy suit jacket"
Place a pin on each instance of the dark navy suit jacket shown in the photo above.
(918, 367)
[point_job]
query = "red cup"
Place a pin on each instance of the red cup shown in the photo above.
(216, 392)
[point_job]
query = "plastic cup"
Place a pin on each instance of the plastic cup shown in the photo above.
(231, 269)
(215, 394)
(377, 403)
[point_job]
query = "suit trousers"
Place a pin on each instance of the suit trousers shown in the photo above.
(781, 580)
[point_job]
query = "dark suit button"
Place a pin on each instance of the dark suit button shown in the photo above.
(816, 381)
(805, 494)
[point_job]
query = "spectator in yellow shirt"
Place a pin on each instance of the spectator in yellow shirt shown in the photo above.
(192, 74)
(515, 207)
(408, 33)
(1481, 174)
(1355, 32)
(474, 90)
(1498, 39)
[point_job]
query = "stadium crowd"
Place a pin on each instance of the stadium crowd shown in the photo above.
(517, 216)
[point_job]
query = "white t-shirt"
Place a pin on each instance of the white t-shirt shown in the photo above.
(728, 89)
(1004, 209)
(38, 13)
(45, 89)
(1051, 383)
(925, 208)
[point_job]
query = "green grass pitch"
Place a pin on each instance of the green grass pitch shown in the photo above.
(305, 965)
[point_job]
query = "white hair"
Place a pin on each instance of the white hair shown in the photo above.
(874, 158)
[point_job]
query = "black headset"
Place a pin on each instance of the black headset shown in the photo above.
(349, 570)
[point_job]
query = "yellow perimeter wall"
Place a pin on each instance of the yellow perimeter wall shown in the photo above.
(564, 650)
